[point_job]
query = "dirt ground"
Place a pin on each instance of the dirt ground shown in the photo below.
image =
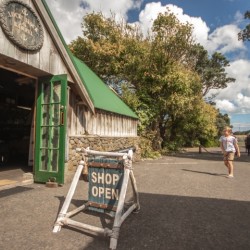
(186, 203)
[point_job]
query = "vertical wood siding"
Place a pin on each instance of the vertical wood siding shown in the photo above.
(47, 58)
(82, 122)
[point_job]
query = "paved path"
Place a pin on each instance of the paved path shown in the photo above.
(186, 203)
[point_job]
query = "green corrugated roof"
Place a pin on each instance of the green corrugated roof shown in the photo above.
(101, 95)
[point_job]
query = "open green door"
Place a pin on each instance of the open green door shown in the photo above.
(51, 129)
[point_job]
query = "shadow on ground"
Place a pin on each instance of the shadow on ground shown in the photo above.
(204, 172)
(211, 155)
(179, 222)
(14, 190)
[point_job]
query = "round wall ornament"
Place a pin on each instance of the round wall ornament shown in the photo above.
(21, 25)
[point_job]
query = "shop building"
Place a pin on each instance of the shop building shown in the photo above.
(50, 101)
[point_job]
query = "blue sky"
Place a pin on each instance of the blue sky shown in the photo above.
(214, 12)
(216, 25)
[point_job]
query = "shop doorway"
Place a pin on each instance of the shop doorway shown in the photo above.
(17, 100)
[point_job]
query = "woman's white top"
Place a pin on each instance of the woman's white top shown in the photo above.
(228, 143)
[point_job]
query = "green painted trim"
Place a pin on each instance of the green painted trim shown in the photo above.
(44, 175)
(38, 133)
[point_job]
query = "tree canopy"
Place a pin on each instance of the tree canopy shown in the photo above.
(162, 76)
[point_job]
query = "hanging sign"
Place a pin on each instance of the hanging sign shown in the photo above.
(21, 25)
(105, 181)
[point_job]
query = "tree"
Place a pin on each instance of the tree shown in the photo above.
(109, 48)
(210, 69)
(200, 127)
(164, 82)
(222, 121)
(154, 75)
(244, 35)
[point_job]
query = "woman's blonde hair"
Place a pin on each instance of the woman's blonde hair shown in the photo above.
(229, 129)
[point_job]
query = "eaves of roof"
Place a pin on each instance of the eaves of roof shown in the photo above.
(100, 94)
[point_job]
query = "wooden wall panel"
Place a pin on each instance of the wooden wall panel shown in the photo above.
(6, 46)
(21, 55)
(82, 121)
(34, 59)
(44, 63)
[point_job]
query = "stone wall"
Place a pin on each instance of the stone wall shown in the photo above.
(97, 143)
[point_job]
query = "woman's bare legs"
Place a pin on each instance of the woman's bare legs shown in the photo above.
(230, 167)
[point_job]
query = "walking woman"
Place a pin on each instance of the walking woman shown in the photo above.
(229, 147)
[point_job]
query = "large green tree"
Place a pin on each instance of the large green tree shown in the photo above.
(155, 74)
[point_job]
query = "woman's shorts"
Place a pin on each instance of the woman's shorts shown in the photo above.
(229, 156)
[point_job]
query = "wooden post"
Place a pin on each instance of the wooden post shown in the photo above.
(135, 191)
(118, 215)
(64, 209)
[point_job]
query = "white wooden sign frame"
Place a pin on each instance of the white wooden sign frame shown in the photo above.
(120, 216)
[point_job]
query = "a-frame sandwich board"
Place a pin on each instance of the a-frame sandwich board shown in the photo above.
(108, 182)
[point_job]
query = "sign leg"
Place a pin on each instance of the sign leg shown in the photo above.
(64, 209)
(118, 215)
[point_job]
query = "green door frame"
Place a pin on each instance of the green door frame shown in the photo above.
(51, 129)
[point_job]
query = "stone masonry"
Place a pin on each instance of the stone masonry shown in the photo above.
(97, 143)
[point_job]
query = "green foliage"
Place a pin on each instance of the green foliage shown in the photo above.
(213, 142)
(147, 150)
(162, 76)
(222, 121)
(173, 146)
(142, 110)
(195, 128)
(242, 132)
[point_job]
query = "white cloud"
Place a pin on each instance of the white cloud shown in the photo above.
(151, 11)
(120, 7)
(149, 14)
(238, 17)
(224, 39)
(69, 14)
(243, 101)
(225, 105)
(237, 93)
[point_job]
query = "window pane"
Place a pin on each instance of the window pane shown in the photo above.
(46, 93)
(55, 137)
(54, 160)
(56, 92)
(55, 114)
(45, 137)
(45, 115)
(44, 160)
